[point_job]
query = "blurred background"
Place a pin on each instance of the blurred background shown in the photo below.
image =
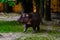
(11, 6)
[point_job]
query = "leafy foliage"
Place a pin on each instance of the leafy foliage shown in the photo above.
(3, 1)
(11, 3)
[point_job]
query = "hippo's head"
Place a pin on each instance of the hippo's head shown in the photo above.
(24, 18)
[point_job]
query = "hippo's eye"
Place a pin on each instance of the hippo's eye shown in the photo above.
(27, 15)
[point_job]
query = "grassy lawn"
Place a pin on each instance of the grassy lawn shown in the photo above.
(10, 26)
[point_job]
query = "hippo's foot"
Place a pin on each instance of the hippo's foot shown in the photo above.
(34, 31)
(38, 31)
(24, 32)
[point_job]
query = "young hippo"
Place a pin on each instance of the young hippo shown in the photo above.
(30, 20)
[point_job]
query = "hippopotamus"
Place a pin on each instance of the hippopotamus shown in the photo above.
(30, 20)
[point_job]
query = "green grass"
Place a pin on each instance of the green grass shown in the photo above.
(36, 38)
(50, 35)
(10, 26)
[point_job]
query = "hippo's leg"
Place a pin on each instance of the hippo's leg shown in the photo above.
(37, 28)
(25, 27)
(34, 29)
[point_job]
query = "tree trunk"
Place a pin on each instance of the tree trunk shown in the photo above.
(48, 13)
(43, 8)
(5, 7)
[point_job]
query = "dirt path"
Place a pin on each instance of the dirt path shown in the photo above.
(23, 36)
(9, 17)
